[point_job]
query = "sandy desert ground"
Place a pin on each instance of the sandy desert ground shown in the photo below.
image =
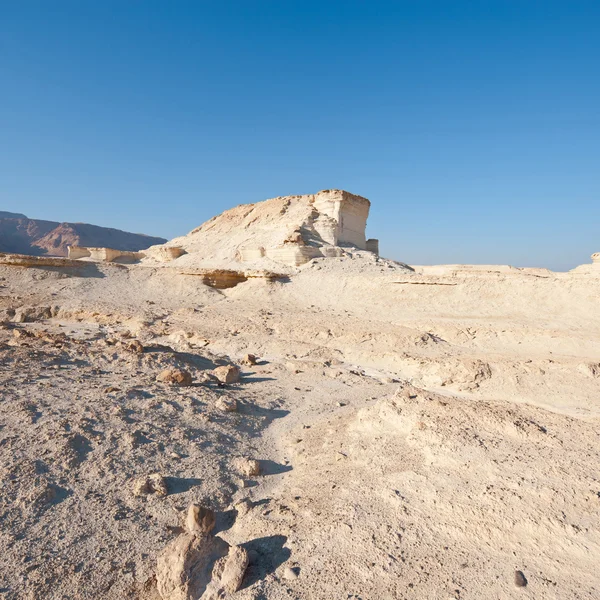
(404, 433)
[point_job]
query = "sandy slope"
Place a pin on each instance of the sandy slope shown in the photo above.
(420, 436)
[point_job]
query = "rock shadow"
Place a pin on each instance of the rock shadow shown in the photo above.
(246, 379)
(196, 360)
(266, 555)
(267, 415)
(179, 485)
(81, 447)
(270, 467)
(225, 520)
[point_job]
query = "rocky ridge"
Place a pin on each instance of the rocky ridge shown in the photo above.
(19, 234)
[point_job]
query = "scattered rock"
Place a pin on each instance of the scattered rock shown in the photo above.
(227, 374)
(198, 564)
(226, 404)
(248, 467)
(249, 360)
(291, 573)
(150, 484)
(175, 377)
(135, 346)
(199, 520)
(110, 389)
(207, 377)
(235, 567)
(243, 507)
(520, 579)
(30, 314)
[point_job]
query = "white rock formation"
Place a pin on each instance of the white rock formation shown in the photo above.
(290, 230)
(164, 253)
(103, 254)
(347, 218)
(589, 269)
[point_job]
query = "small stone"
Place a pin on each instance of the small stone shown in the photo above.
(150, 484)
(175, 376)
(110, 389)
(158, 485)
(249, 360)
(227, 374)
(226, 404)
(520, 579)
(291, 573)
(243, 507)
(248, 467)
(199, 521)
(135, 346)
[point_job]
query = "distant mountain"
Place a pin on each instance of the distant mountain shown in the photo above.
(4, 214)
(22, 235)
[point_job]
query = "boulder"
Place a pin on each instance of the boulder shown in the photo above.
(227, 374)
(29, 314)
(199, 565)
(248, 467)
(175, 376)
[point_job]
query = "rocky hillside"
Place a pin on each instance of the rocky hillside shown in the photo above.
(22, 235)
(287, 230)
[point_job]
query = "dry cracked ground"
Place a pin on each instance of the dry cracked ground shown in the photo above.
(390, 440)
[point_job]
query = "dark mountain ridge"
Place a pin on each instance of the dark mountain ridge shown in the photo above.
(19, 234)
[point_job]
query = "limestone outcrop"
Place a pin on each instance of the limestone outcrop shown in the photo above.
(589, 269)
(290, 230)
(164, 253)
(25, 260)
(479, 270)
(104, 254)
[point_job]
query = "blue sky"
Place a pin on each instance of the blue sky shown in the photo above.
(473, 127)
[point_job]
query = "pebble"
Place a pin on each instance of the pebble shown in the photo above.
(227, 404)
(520, 579)
(291, 572)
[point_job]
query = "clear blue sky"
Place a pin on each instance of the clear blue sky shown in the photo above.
(473, 126)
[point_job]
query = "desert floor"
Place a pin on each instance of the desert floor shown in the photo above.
(418, 436)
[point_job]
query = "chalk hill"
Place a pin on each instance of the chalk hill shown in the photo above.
(289, 230)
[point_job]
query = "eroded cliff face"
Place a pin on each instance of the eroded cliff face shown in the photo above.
(349, 214)
(288, 230)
